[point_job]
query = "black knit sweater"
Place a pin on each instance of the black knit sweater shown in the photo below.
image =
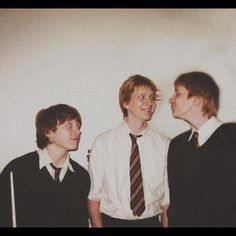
(40, 201)
(202, 180)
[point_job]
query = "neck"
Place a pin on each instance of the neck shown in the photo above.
(136, 127)
(197, 121)
(57, 156)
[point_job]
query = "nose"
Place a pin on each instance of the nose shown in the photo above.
(149, 101)
(171, 99)
(77, 131)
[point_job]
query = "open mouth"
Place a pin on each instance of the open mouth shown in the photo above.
(149, 110)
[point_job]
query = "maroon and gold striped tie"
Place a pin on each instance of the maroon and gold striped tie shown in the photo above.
(137, 203)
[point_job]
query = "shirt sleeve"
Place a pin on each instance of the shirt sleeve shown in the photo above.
(96, 170)
(166, 198)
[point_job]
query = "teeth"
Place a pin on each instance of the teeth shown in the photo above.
(147, 110)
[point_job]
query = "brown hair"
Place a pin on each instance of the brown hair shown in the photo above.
(201, 85)
(127, 88)
(49, 119)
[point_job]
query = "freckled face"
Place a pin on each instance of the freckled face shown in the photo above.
(67, 135)
(142, 104)
(181, 105)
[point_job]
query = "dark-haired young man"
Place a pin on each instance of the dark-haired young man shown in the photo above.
(46, 188)
(201, 161)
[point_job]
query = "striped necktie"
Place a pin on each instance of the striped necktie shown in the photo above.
(137, 203)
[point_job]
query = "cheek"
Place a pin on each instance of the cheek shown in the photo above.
(179, 102)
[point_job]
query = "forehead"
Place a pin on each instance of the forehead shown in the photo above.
(74, 120)
(143, 89)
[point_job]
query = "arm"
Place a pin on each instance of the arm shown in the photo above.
(166, 199)
(164, 217)
(94, 213)
(96, 172)
(5, 199)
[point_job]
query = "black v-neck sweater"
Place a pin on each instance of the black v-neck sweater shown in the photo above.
(39, 200)
(202, 180)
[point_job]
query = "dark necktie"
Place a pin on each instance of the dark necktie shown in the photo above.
(57, 173)
(137, 203)
(194, 138)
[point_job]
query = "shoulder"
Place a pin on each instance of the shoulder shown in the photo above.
(226, 131)
(22, 163)
(156, 134)
(228, 127)
(159, 141)
(181, 138)
(109, 134)
(81, 176)
(78, 168)
(159, 137)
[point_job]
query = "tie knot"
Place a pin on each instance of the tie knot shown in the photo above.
(195, 138)
(134, 137)
(57, 170)
(195, 134)
(57, 173)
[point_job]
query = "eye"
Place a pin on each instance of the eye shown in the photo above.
(176, 94)
(69, 125)
(141, 97)
(78, 125)
(153, 98)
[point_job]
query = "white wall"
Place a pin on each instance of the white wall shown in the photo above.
(82, 56)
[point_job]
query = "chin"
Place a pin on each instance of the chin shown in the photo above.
(74, 148)
(148, 117)
(177, 117)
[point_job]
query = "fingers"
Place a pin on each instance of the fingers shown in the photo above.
(88, 155)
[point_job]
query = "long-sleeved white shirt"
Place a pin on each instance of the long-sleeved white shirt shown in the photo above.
(109, 172)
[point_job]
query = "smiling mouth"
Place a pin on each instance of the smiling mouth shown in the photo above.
(147, 110)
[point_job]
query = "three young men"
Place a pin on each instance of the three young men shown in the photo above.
(128, 166)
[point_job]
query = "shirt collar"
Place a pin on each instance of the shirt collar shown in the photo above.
(206, 130)
(45, 160)
(127, 130)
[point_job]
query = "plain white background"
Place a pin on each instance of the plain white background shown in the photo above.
(82, 56)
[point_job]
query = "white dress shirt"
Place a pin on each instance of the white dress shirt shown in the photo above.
(45, 160)
(110, 172)
(206, 130)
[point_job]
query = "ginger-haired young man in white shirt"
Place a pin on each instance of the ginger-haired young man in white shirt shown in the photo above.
(109, 167)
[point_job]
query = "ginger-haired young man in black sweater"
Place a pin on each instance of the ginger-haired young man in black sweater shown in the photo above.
(46, 188)
(201, 161)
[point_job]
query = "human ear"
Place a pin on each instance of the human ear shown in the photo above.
(125, 105)
(198, 101)
(48, 133)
